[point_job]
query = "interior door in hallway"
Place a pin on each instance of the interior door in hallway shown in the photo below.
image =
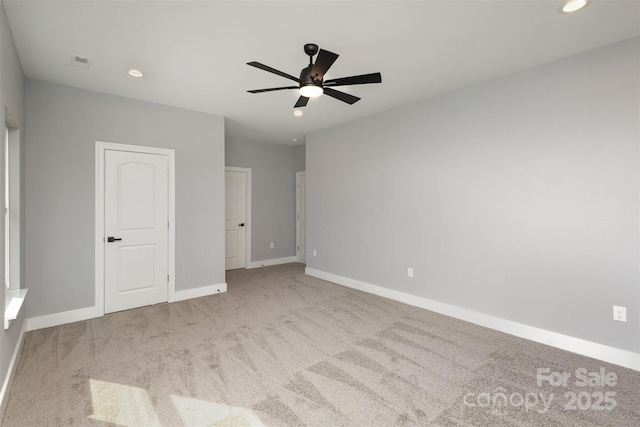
(136, 229)
(301, 216)
(235, 219)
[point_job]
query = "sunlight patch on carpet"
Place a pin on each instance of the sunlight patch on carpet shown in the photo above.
(122, 404)
(196, 412)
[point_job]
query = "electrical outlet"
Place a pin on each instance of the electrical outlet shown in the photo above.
(271, 245)
(619, 313)
(315, 253)
(409, 272)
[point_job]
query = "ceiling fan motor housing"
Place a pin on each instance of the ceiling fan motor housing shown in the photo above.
(306, 79)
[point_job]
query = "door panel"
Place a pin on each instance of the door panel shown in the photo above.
(235, 219)
(232, 244)
(136, 212)
(138, 178)
(130, 276)
(301, 202)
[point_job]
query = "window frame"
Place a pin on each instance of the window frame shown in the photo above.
(14, 293)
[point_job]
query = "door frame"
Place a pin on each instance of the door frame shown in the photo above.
(101, 147)
(247, 206)
(298, 175)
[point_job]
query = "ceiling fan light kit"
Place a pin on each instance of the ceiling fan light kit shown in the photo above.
(311, 91)
(311, 83)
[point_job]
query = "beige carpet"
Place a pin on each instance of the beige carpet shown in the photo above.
(281, 348)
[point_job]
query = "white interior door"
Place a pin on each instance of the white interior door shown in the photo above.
(301, 216)
(136, 229)
(235, 219)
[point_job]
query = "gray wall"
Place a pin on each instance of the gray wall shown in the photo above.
(11, 97)
(62, 126)
(518, 197)
(273, 195)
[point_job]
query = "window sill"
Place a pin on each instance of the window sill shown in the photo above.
(13, 301)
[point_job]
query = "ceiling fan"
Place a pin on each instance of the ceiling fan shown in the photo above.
(311, 83)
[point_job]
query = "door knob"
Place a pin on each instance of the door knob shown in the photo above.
(241, 225)
(112, 239)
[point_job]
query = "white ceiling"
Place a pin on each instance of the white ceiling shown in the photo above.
(194, 53)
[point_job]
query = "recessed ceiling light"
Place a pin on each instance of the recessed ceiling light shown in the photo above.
(295, 140)
(298, 113)
(574, 5)
(135, 73)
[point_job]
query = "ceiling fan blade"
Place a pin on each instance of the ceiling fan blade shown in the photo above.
(273, 70)
(302, 102)
(271, 89)
(355, 80)
(344, 97)
(324, 61)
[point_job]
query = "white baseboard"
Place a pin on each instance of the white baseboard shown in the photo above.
(202, 291)
(275, 261)
(62, 318)
(594, 350)
(6, 385)
(57, 319)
